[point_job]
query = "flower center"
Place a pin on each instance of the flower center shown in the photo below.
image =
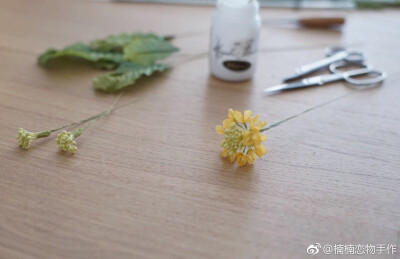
(233, 139)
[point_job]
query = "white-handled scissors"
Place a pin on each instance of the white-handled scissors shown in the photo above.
(374, 78)
(333, 54)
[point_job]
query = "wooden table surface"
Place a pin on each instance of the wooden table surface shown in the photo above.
(148, 181)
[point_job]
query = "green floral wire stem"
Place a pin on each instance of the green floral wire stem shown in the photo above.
(79, 131)
(66, 140)
(301, 113)
(25, 137)
(47, 133)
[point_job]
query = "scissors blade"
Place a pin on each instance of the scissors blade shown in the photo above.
(313, 81)
(294, 77)
(283, 87)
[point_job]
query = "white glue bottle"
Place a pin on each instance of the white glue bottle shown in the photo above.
(234, 39)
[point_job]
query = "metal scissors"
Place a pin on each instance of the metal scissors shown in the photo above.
(375, 77)
(333, 54)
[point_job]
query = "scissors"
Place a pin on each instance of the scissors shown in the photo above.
(375, 77)
(333, 54)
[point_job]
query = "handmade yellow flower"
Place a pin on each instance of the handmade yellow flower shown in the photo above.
(243, 138)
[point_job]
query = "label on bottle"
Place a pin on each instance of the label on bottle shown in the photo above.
(235, 65)
(233, 55)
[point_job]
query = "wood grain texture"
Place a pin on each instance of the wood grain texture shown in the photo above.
(148, 181)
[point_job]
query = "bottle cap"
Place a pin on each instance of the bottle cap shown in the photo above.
(237, 9)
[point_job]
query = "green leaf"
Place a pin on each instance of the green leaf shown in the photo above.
(147, 51)
(117, 42)
(105, 60)
(125, 75)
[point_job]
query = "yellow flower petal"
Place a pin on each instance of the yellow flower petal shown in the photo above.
(263, 138)
(246, 116)
(251, 153)
(251, 156)
(227, 123)
(232, 157)
(243, 162)
(225, 153)
(241, 159)
(220, 130)
(230, 114)
(261, 124)
(260, 150)
(238, 116)
(254, 121)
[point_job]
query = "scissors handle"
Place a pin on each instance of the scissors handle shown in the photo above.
(354, 56)
(349, 76)
(379, 77)
(330, 51)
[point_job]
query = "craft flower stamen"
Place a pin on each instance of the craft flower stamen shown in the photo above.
(65, 140)
(25, 137)
(243, 138)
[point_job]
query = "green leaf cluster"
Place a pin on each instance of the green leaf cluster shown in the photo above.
(132, 55)
(148, 51)
(126, 74)
(102, 60)
(117, 42)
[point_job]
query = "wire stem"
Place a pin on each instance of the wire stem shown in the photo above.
(75, 123)
(92, 117)
(301, 113)
(79, 131)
